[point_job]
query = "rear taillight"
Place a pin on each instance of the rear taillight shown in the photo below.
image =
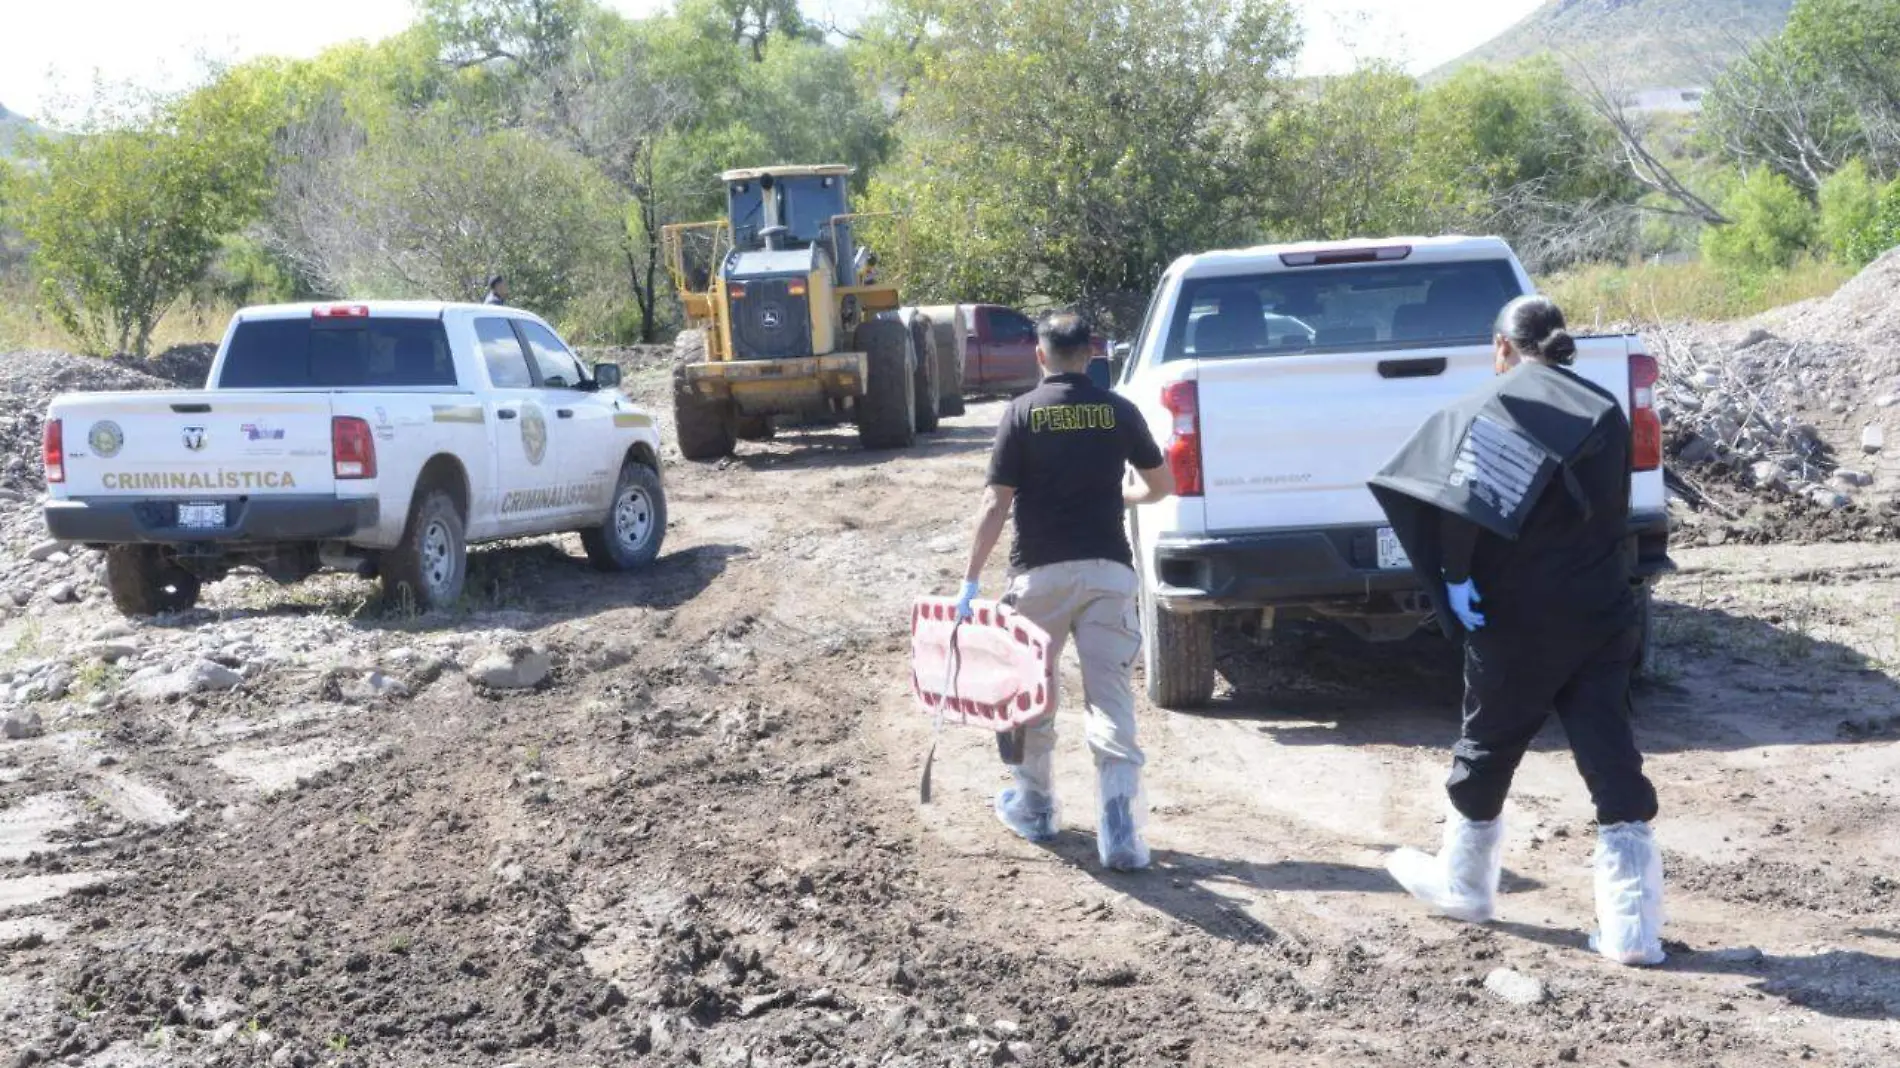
(352, 448)
(54, 440)
(1645, 424)
(1183, 400)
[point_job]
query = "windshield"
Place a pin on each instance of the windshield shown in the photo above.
(337, 354)
(1341, 309)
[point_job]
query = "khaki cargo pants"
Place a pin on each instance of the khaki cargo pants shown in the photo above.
(1091, 602)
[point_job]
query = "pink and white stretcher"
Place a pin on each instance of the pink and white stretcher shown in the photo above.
(992, 670)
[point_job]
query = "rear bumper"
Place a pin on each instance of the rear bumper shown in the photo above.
(260, 520)
(1283, 569)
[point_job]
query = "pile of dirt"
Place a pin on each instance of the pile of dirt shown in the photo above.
(1777, 427)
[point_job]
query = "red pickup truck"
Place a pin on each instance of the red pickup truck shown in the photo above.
(996, 347)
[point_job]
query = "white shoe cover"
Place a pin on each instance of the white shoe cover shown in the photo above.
(1629, 895)
(1462, 880)
(1029, 808)
(1121, 813)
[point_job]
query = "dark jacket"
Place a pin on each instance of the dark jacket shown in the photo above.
(1522, 487)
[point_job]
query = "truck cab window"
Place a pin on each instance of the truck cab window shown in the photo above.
(559, 369)
(501, 350)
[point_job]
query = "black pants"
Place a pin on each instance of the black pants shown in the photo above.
(1513, 681)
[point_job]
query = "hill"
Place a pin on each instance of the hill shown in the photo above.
(12, 128)
(1637, 44)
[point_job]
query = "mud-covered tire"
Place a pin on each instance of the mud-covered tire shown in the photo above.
(144, 583)
(926, 375)
(941, 349)
(635, 525)
(1177, 654)
(706, 428)
(887, 417)
(428, 568)
(754, 428)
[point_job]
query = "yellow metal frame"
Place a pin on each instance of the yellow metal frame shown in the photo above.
(879, 297)
(704, 307)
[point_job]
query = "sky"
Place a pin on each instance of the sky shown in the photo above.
(56, 48)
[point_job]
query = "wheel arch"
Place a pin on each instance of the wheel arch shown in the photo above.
(444, 470)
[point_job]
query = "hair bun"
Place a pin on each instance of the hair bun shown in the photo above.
(1558, 347)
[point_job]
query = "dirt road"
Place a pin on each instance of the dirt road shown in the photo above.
(698, 840)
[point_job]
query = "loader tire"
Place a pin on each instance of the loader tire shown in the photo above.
(706, 427)
(887, 415)
(926, 375)
(942, 350)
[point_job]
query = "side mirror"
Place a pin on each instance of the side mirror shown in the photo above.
(1118, 354)
(607, 375)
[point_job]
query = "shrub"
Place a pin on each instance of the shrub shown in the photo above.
(1850, 204)
(1770, 226)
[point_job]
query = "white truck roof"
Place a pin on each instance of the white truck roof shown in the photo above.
(1441, 249)
(377, 308)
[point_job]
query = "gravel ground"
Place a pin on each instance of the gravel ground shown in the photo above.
(672, 818)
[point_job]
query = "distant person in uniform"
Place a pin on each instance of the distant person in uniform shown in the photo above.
(497, 291)
(1061, 459)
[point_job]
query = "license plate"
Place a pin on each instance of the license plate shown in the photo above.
(1391, 554)
(201, 516)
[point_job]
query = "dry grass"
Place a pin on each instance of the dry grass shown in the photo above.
(23, 325)
(1676, 292)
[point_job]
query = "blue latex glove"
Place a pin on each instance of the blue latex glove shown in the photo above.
(964, 597)
(1463, 595)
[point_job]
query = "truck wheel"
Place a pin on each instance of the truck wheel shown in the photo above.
(636, 522)
(887, 417)
(1177, 654)
(704, 426)
(754, 428)
(143, 583)
(927, 414)
(942, 350)
(427, 570)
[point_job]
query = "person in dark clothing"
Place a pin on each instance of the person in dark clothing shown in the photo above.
(497, 291)
(1516, 502)
(1062, 457)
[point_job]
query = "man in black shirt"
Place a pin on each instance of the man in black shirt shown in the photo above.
(1062, 458)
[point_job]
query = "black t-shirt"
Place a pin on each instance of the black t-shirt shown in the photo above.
(1064, 447)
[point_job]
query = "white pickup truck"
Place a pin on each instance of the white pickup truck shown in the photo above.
(380, 438)
(1279, 380)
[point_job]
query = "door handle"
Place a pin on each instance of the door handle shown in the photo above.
(1425, 368)
(564, 413)
(506, 413)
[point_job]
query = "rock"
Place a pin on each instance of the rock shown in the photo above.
(1887, 400)
(1768, 474)
(759, 1004)
(202, 676)
(21, 724)
(224, 1034)
(112, 652)
(1515, 987)
(1832, 500)
(1849, 479)
(1707, 379)
(1738, 955)
(1755, 337)
(41, 552)
(1873, 439)
(374, 686)
(1696, 450)
(113, 632)
(516, 669)
(56, 685)
(61, 593)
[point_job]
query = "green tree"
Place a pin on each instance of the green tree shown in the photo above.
(1772, 225)
(1850, 204)
(125, 217)
(1881, 232)
(1353, 161)
(1069, 150)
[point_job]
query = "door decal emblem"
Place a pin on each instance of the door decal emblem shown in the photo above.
(534, 433)
(106, 439)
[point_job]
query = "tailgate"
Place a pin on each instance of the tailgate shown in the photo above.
(1291, 441)
(197, 444)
